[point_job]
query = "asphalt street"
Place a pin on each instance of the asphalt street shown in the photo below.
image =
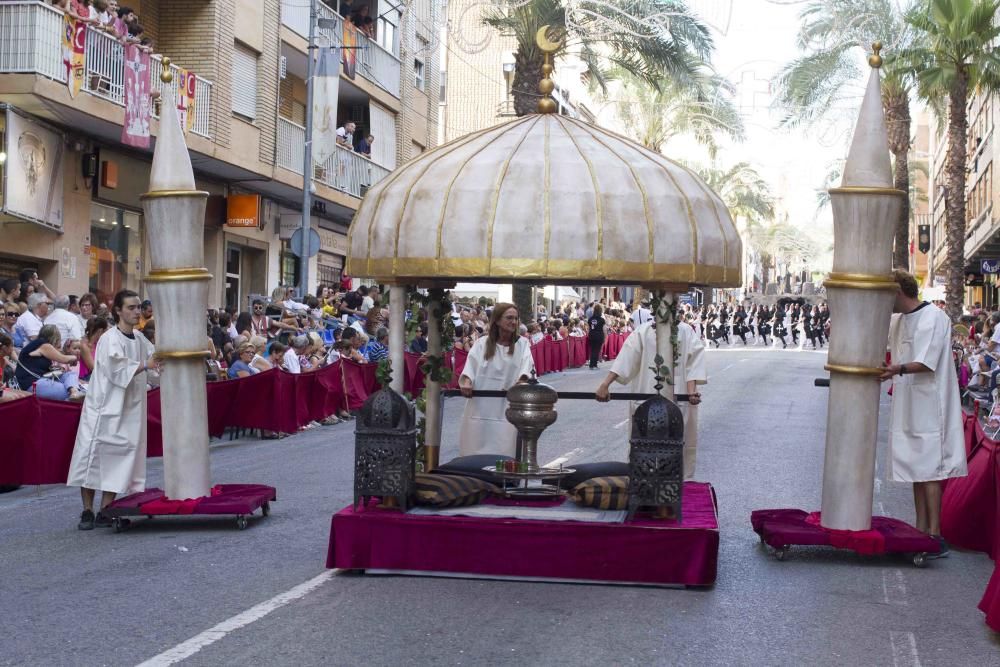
(202, 591)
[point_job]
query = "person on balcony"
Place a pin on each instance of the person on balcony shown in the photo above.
(363, 21)
(365, 145)
(345, 135)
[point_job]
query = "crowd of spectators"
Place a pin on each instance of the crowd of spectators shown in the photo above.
(107, 15)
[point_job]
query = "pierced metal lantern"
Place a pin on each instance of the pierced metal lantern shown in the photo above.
(656, 458)
(385, 446)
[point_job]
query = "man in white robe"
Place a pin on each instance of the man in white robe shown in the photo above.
(926, 436)
(485, 429)
(632, 367)
(110, 450)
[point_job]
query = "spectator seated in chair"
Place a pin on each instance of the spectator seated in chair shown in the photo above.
(34, 368)
(241, 368)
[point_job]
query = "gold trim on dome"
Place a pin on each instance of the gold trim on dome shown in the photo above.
(843, 369)
(863, 281)
(537, 269)
(181, 355)
(177, 275)
(159, 194)
(599, 209)
(546, 204)
(865, 190)
(495, 196)
(642, 191)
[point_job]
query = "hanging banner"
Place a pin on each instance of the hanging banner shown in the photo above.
(326, 84)
(349, 49)
(74, 43)
(135, 130)
(185, 97)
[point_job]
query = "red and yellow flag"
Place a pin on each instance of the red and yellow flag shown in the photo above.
(185, 98)
(74, 43)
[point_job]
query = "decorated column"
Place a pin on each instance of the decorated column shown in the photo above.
(663, 312)
(178, 285)
(435, 349)
(397, 336)
(860, 290)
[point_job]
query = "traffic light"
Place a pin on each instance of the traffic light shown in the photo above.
(924, 238)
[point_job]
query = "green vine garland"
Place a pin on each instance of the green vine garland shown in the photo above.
(665, 312)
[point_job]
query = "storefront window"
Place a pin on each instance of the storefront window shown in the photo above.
(289, 265)
(115, 251)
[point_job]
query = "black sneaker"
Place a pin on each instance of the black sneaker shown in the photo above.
(945, 549)
(86, 520)
(102, 520)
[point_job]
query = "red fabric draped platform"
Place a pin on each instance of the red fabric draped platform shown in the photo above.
(780, 528)
(970, 510)
(643, 551)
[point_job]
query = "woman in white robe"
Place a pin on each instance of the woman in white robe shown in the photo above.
(497, 361)
(110, 450)
(632, 367)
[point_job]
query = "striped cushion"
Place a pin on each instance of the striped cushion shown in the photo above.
(451, 490)
(604, 493)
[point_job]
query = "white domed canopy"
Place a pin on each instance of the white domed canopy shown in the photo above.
(545, 198)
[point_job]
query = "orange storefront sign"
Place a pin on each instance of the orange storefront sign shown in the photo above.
(243, 211)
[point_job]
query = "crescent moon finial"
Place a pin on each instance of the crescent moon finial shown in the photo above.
(544, 43)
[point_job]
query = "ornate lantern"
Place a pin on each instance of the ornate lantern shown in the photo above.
(385, 445)
(656, 457)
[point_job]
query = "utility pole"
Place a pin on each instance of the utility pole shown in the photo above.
(307, 166)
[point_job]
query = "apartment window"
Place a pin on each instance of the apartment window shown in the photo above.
(245, 82)
(387, 31)
(418, 73)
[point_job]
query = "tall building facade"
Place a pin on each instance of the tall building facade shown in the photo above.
(249, 61)
(982, 230)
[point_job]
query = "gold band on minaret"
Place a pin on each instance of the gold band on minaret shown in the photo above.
(546, 104)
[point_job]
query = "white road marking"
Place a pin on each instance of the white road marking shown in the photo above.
(555, 463)
(894, 587)
(186, 649)
(904, 649)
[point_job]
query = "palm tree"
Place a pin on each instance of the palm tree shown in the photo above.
(608, 35)
(653, 39)
(957, 55)
(748, 197)
(833, 35)
(703, 110)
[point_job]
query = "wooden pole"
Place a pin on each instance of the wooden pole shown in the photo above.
(397, 336)
(433, 413)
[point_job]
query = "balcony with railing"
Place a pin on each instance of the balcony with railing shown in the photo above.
(346, 171)
(31, 43)
(374, 62)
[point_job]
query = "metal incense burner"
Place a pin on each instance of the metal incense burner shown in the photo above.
(531, 410)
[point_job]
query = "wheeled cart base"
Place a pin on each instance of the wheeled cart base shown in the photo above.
(781, 529)
(237, 500)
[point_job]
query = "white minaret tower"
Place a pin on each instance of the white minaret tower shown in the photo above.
(860, 291)
(178, 286)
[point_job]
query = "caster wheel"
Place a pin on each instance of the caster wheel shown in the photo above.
(241, 522)
(265, 509)
(761, 538)
(920, 559)
(781, 554)
(116, 523)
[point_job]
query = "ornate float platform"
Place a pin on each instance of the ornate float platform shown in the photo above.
(237, 500)
(642, 551)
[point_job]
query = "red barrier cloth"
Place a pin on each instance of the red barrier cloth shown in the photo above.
(458, 365)
(359, 379)
(990, 604)
(413, 379)
(37, 445)
(969, 507)
(786, 527)
(641, 551)
(538, 356)
(577, 351)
